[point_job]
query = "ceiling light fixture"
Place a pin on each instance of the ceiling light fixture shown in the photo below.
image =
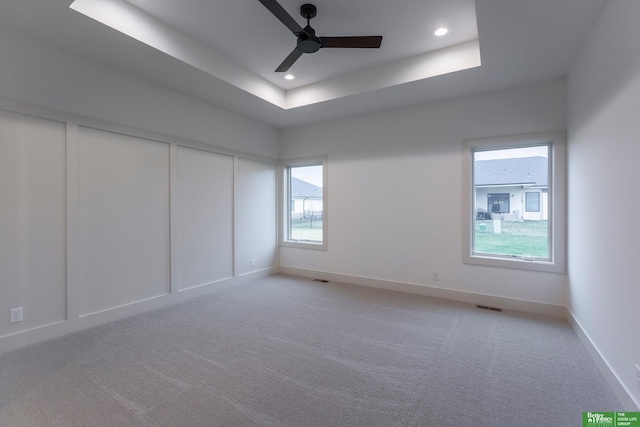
(441, 31)
(289, 77)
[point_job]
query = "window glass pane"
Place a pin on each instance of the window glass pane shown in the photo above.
(305, 201)
(532, 202)
(511, 209)
(498, 202)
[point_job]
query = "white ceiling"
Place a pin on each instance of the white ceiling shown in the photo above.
(225, 51)
(247, 33)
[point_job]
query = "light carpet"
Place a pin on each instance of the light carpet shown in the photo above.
(287, 351)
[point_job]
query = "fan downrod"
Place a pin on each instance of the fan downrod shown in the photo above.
(308, 42)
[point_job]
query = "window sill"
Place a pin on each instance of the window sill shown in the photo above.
(516, 262)
(304, 244)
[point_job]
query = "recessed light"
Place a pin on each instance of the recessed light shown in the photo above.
(289, 77)
(441, 31)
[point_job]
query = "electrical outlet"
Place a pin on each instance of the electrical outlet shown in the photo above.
(435, 276)
(16, 315)
(253, 262)
(638, 377)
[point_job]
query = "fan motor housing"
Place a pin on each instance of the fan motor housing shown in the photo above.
(308, 43)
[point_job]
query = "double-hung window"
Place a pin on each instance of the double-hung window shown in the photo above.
(514, 201)
(304, 216)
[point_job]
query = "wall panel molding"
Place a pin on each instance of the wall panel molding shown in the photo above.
(119, 146)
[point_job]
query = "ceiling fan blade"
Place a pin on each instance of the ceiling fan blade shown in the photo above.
(284, 17)
(289, 60)
(366, 42)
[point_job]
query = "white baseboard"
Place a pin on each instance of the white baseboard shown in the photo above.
(431, 291)
(55, 330)
(618, 388)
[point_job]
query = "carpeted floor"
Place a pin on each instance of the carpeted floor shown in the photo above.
(285, 351)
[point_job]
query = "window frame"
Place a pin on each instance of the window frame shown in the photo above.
(557, 201)
(285, 203)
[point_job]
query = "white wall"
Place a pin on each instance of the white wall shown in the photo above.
(411, 160)
(123, 213)
(256, 207)
(32, 219)
(40, 74)
(603, 153)
(118, 195)
(204, 220)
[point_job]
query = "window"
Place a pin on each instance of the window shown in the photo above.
(532, 201)
(514, 201)
(498, 202)
(305, 204)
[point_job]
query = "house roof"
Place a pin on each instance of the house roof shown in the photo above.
(515, 171)
(300, 188)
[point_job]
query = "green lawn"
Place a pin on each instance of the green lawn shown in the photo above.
(528, 238)
(307, 230)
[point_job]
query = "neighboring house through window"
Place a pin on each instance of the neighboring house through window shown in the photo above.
(511, 185)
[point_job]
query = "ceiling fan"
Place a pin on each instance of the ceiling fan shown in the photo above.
(308, 42)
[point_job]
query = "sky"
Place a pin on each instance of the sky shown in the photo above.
(310, 174)
(510, 153)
